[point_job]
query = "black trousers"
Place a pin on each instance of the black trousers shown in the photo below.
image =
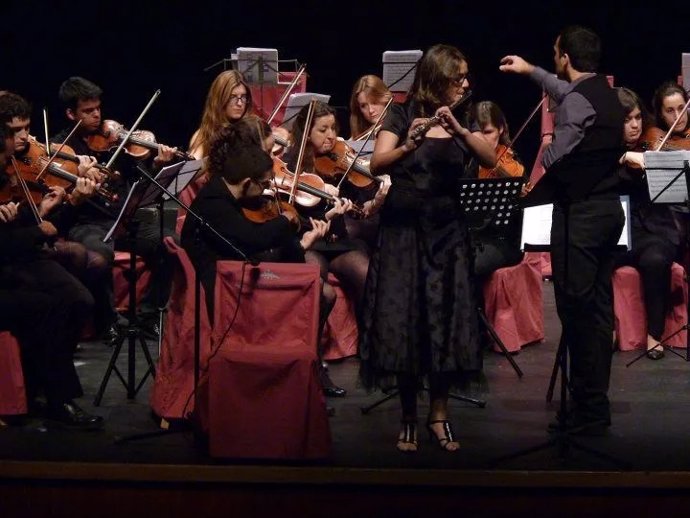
(583, 239)
(652, 255)
(45, 308)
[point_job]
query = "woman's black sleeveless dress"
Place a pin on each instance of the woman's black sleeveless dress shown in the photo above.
(419, 313)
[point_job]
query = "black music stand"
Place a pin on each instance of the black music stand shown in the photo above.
(201, 224)
(127, 223)
(492, 203)
(664, 172)
(175, 178)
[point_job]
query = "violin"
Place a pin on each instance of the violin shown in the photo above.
(59, 173)
(29, 167)
(266, 208)
(653, 136)
(340, 159)
(507, 165)
(140, 144)
(310, 186)
(70, 156)
(310, 189)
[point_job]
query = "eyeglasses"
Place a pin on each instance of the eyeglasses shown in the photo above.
(458, 81)
(239, 99)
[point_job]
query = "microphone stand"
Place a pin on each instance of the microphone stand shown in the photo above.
(201, 224)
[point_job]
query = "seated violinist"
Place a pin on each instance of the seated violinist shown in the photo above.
(29, 153)
(42, 304)
(494, 250)
(655, 238)
(81, 100)
(240, 171)
(367, 102)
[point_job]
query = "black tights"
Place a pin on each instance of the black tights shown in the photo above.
(408, 385)
(349, 267)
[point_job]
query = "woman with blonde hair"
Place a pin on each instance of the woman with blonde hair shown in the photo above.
(368, 99)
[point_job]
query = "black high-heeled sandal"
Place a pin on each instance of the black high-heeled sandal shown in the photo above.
(448, 437)
(409, 436)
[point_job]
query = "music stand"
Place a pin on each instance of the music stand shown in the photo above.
(258, 67)
(668, 181)
(202, 224)
(492, 202)
(126, 223)
(175, 178)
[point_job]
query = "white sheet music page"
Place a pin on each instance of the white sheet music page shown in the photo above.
(297, 100)
(398, 68)
(662, 167)
(258, 65)
(536, 225)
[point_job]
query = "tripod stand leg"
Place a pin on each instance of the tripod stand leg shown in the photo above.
(499, 342)
(109, 371)
(554, 372)
(477, 402)
(366, 409)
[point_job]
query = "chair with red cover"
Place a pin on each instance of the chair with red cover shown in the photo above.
(172, 393)
(340, 336)
(120, 284)
(12, 388)
(630, 315)
(513, 303)
(265, 400)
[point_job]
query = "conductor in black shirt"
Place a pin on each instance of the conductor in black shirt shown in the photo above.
(581, 176)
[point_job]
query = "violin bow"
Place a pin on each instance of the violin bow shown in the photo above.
(668, 134)
(26, 192)
(302, 148)
(371, 134)
(51, 158)
(520, 131)
(132, 130)
(286, 93)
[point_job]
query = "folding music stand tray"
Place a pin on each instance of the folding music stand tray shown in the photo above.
(668, 181)
(492, 202)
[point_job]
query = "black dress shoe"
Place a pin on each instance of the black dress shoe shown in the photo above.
(330, 389)
(112, 335)
(71, 415)
(655, 354)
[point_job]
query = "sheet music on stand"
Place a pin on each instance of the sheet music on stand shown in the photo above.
(399, 68)
(665, 181)
(129, 207)
(356, 145)
(258, 66)
(184, 176)
(298, 100)
(536, 227)
(685, 68)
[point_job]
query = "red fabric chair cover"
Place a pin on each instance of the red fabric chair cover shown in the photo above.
(265, 98)
(628, 308)
(12, 388)
(120, 285)
(340, 335)
(544, 260)
(265, 400)
(513, 302)
(174, 382)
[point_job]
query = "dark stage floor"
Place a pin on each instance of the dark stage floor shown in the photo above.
(650, 421)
